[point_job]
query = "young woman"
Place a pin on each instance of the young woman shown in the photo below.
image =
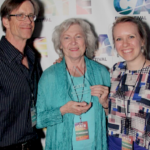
(129, 101)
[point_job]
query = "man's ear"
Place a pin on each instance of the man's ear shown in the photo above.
(5, 22)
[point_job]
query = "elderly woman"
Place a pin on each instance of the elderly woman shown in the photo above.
(72, 95)
(129, 104)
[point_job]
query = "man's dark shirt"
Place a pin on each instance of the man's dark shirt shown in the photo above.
(18, 85)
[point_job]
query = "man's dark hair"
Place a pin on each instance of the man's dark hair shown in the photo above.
(9, 5)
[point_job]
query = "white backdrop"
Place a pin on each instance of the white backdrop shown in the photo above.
(101, 13)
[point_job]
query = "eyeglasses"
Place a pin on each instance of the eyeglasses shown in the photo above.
(22, 17)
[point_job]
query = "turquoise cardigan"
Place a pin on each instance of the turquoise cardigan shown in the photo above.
(53, 93)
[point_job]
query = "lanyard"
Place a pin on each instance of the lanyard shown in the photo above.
(79, 100)
(127, 119)
(30, 83)
(135, 84)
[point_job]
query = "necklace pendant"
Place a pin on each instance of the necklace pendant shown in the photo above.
(131, 79)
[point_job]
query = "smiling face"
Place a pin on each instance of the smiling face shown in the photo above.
(127, 41)
(20, 30)
(73, 42)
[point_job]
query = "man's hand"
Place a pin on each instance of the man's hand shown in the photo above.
(57, 61)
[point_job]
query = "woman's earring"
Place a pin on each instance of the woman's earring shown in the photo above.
(117, 55)
(142, 49)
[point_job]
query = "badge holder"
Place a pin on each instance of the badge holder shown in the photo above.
(81, 130)
(127, 142)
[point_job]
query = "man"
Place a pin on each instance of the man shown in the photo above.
(19, 74)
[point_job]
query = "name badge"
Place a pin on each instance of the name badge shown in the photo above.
(33, 116)
(81, 130)
(127, 142)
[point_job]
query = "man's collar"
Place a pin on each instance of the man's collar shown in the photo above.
(30, 54)
(9, 50)
(12, 53)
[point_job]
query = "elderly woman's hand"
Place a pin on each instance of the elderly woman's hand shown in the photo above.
(102, 93)
(75, 108)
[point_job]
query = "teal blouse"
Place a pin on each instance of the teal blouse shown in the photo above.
(53, 93)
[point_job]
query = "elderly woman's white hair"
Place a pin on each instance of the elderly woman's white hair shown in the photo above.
(90, 38)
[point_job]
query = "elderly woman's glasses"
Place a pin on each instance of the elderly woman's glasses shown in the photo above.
(22, 17)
